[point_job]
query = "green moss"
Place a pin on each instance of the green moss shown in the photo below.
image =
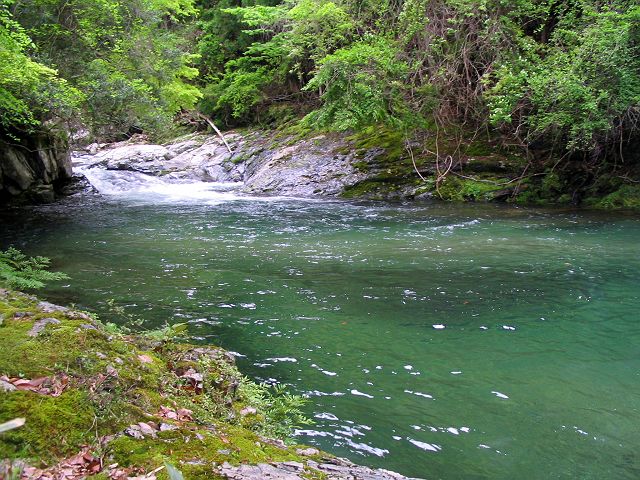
(551, 185)
(314, 475)
(58, 347)
(463, 189)
(478, 148)
(241, 158)
(627, 196)
(55, 426)
(552, 188)
(391, 141)
(195, 451)
(373, 188)
(116, 380)
(361, 166)
(294, 131)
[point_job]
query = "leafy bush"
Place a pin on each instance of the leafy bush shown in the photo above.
(360, 85)
(582, 90)
(22, 272)
(130, 60)
(29, 91)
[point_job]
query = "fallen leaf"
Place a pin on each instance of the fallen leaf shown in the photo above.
(185, 414)
(145, 358)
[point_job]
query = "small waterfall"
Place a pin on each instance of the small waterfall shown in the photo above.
(139, 186)
(145, 188)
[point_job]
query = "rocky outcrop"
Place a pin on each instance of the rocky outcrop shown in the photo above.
(331, 468)
(33, 170)
(372, 164)
(264, 165)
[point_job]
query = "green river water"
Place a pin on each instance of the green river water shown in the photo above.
(436, 340)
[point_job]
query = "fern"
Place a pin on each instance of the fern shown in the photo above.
(25, 273)
(282, 410)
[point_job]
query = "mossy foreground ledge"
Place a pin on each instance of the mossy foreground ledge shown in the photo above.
(98, 402)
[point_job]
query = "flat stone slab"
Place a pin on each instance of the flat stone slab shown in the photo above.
(332, 469)
(40, 325)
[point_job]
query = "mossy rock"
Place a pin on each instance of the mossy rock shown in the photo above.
(550, 189)
(55, 427)
(113, 380)
(626, 197)
(458, 189)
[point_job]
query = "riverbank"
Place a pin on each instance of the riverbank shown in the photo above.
(375, 164)
(104, 403)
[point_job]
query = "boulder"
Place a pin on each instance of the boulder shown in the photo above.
(34, 169)
(140, 158)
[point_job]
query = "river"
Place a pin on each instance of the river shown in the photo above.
(438, 340)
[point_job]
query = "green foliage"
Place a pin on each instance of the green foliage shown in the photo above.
(130, 60)
(168, 332)
(564, 75)
(584, 91)
(360, 85)
(627, 196)
(282, 45)
(282, 410)
(19, 271)
(561, 75)
(29, 91)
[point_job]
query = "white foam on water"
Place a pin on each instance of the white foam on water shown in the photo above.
(139, 187)
(282, 359)
(326, 416)
(360, 394)
(425, 446)
(378, 452)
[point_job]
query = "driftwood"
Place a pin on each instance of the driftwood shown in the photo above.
(212, 125)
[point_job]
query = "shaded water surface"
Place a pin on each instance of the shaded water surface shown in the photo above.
(440, 341)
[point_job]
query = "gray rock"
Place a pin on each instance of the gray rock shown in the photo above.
(307, 451)
(305, 170)
(40, 325)
(75, 315)
(318, 167)
(6, 386)
(179, 147)
(134, 431)
(147, 430)
(332, 469)
(30, 169)
(78, 184)
(261, 471)
(140, 158)
(295, 466)
(167, 427)
(47, 307)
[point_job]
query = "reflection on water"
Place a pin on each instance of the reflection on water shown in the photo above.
(442, 341)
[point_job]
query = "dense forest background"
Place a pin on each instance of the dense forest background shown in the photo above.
(559, 75)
